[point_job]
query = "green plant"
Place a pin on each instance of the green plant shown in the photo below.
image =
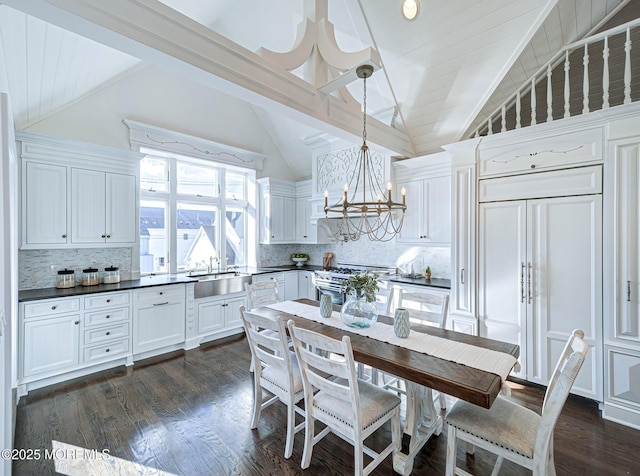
(363, 284)
(427, 270)
(300, 255)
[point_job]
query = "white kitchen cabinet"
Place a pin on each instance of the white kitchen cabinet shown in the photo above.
(290, 285)
(622, 282)
(158, 318)
(428, 216)
(49, 342)
(540, 264)
(103, 207)
(277, 211)
(306, 288)
(219, 313)
(304, 227)
(44, 204)
(463, 268)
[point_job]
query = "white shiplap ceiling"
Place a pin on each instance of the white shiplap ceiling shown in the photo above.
(439, 73)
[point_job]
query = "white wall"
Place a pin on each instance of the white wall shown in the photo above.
(158, 98)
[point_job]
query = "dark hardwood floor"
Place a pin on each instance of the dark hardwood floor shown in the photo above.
(190, 414)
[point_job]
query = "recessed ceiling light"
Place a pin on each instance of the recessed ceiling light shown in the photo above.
(410, 9)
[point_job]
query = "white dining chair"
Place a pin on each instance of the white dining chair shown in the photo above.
(261, 293)
(425, 307)
(277, 372)
(352, 409)
(512, 431)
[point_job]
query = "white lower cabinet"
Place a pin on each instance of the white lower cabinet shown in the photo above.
(306, 288)
(50, 345)
(219, 314)
(158, 318)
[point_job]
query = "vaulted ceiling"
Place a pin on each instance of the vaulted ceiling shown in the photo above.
(440, 74)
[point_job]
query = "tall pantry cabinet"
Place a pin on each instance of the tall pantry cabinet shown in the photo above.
(622, 260)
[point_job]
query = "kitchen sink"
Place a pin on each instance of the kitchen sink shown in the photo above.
(218, 284)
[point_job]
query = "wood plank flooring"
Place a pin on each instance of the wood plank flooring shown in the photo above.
(189, 414)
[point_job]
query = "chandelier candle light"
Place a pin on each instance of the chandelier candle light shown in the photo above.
(369, 210)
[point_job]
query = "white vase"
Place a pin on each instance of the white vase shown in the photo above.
(326, 305)
(401, 324)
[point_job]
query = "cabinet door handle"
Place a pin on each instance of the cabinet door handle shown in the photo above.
(108, 333)
(64, 236)
(628, 291)
(107, 316)
(53, 308)
(162, 303)
(106, 350)
(522, 294)
(77, 322)
(108, 236)
(161, 293)
(529, 281)
(108, 300)
(462, 276)
(104, 236)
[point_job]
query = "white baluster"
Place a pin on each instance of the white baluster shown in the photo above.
(585, 81)
(489, 127)
(627, 68)
(533, 101)
(504, 118)
(567, 88)
(605, 74)
(549, 95)
(518, 110)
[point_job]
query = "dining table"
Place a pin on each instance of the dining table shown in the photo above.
(421, 371)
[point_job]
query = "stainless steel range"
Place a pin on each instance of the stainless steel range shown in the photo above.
(333, 281)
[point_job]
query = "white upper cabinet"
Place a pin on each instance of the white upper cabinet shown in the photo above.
(277, 211)
(76, 194)
(44, 202)
(428, 215)
(103, 207)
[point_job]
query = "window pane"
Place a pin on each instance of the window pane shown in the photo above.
(197, 180)
(197, 236)
(153, 237)
(153, 174)
(235, 188)
(236, 226)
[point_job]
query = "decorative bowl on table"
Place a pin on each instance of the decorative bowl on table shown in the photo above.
(299, 260)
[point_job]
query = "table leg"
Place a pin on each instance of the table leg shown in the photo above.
(422, 420)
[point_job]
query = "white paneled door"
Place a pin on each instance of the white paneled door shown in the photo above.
(540, 267)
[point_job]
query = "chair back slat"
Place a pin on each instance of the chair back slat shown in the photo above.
(268, 348)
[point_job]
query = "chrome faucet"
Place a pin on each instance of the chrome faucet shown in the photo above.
(211, 259)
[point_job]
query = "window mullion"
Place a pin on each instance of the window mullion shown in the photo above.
(173, 218)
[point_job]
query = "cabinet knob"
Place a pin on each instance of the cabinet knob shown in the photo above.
(106, 350)
(107, 316)
(77, 322)
(161, 293)
(64, 236)
(108, 236)
(533, 166)
(108, 333)
(104, 236)
(53, 308)
(108, 300)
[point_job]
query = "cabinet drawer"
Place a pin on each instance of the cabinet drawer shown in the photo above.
(268, 277)
(159, 294)
(105, 317)
(106, 351)
(51, 307)
(106, 300)
(106, 334)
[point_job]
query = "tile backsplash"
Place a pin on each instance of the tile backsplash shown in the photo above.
(365, 252)
(39, 268)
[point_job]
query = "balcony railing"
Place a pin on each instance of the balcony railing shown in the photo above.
(588, 75)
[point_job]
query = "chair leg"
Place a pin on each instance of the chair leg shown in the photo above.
(396, 432)
(358, 454)
(443, 401)
(257, 402)
(291, 429)
(309, 430)
(451, 451)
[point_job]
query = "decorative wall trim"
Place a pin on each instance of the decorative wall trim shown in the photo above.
(153, 137)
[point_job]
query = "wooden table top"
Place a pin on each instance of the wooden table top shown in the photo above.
(458, 380)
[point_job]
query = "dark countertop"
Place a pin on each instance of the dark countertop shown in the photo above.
(433, 282)
(143, 282)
